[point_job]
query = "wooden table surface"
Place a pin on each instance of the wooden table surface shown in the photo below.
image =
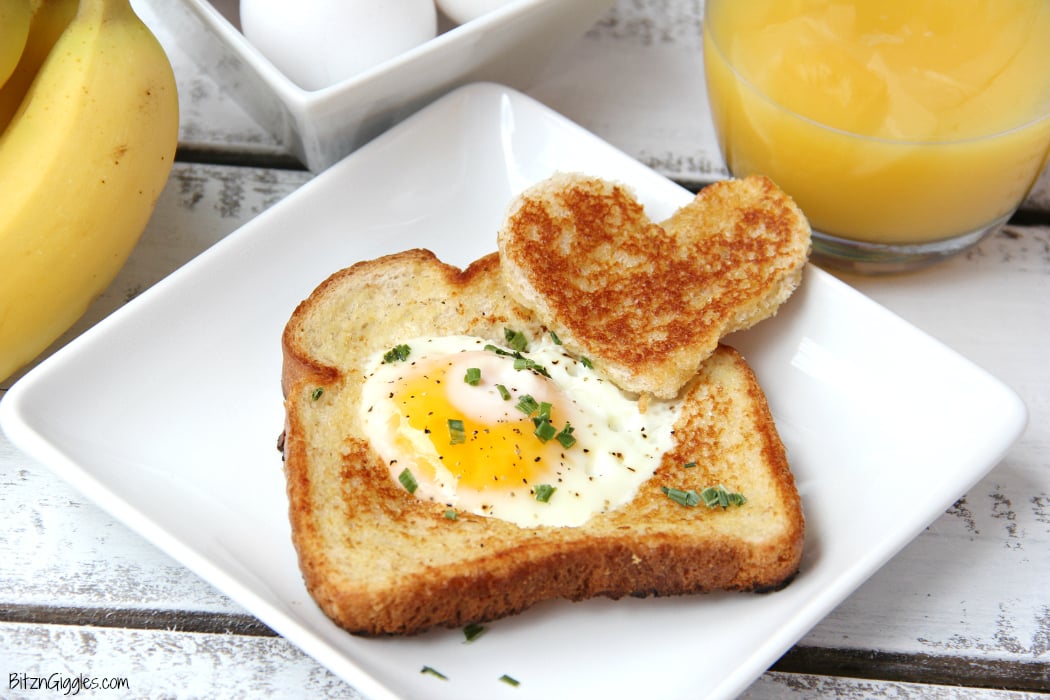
(962, 612)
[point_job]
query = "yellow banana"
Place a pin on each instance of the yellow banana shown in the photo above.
(81, 166)
(14, 28)
(49, 19)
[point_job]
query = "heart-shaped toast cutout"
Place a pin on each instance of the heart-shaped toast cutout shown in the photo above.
(648, 301)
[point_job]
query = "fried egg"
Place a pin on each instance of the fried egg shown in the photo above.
(531, 435)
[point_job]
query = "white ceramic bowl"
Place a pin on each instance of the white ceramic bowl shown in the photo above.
(510, 45)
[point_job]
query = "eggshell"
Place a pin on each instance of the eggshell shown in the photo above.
(318, 43)
(461, 11)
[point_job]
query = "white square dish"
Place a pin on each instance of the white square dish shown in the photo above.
(510, 45)
(167, 414)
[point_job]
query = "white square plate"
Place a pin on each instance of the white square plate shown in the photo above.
(167, 414)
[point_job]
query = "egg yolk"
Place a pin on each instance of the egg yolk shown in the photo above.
(502, 451)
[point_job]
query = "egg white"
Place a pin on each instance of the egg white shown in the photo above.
(617, 448)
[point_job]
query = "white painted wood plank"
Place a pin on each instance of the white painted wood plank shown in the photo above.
(789, 686)
(58, 549)
(160, 664)
(195, 665)
(636, 79)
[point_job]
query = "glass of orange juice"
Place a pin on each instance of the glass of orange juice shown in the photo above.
(906, 130)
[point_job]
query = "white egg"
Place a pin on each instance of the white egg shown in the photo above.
(575, 447)
(318, 43)
(461, 11)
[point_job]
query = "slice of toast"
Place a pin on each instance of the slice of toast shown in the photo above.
(380, 561)
(650, 301)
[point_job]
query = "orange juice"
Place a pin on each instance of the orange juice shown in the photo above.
(896, 121)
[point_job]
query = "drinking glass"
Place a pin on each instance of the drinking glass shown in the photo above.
(906, 130)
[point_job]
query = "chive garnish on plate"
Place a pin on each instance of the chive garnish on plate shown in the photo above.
(473, 631)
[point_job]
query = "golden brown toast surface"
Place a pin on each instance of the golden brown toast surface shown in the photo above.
(650, 301)
(378, 560)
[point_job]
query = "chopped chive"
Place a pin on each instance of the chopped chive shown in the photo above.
(473, 376)
(689, 465)
(451, 514)
(510, 681)
(565, 436)
(555, 339)
(408, 480)
(528, 363)
(527, 405)
(515, 339)
(718, 496)
(456, 432)
(537, 367)
(316, 393)
(397, 353)
(503, 392)
(586, 362)
(545, 411)
(433, 672)
(544, 492)
(473, 631)
(544, 430)
(520, 361)
(710, 496)
(688, 498)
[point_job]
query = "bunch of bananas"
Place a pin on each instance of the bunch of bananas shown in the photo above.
(88, 128)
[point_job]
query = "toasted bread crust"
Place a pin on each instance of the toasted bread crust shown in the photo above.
(379, 561)
(651, 301)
